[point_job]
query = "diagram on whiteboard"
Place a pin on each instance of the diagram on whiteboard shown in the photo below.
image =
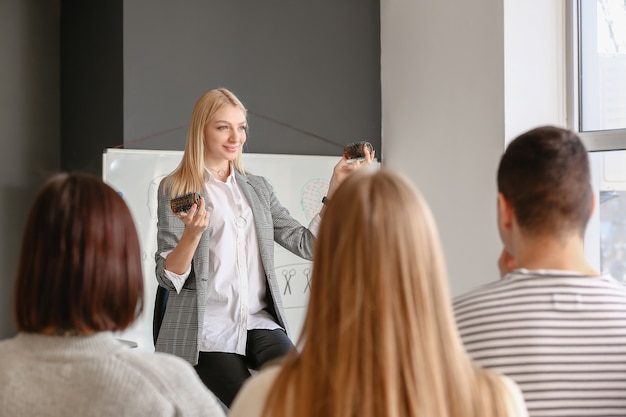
(311, 196)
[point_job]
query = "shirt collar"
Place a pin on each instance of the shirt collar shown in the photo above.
(522, 272)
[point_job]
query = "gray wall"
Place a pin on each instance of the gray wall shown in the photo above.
(298, 66)
(29, 124)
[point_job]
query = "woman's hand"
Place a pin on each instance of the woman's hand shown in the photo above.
(344, 168)
(196, 220)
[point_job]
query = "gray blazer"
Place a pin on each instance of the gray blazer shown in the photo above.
(181, 328)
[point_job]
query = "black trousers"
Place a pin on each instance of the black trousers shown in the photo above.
(225, 373)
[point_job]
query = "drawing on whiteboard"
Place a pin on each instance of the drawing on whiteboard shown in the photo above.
(288, 276)
(311, 196)
(307, 273)
(152, 196)
(295, 282)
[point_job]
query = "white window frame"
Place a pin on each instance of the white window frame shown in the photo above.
(601, 140)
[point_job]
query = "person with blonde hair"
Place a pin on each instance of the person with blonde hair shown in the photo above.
(379, 337)
(224, 312)
(79, 280)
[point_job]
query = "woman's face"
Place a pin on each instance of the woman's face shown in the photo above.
(224, 135)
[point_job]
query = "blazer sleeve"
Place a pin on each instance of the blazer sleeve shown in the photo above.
(169, 231)
(288, 232)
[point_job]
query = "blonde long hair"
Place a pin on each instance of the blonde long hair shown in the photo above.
(379, 337)
(189, 175)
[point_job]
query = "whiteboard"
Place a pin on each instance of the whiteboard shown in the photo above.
(300, 182)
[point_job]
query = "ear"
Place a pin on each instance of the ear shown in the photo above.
(505, 213)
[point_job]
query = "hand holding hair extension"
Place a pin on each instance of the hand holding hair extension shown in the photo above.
(356, 151)
(183, 203)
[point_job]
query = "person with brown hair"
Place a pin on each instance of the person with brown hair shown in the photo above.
(79, 280)
(379, 337)
(552, 323)
(224, 311)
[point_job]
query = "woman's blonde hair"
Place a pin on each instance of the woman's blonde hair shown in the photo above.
(189, 175)
(379, 337)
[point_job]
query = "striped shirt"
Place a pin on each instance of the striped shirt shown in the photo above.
(559, 335)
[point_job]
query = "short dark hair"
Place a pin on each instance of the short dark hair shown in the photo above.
(80, 263)
(544, 174)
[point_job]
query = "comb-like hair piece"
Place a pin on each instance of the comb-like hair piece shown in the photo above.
(183, 203)
(354, 151)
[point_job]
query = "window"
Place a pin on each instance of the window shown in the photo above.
(610, 172)
(598, 63)
(597, 110)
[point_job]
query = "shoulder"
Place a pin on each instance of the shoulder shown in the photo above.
(165, 184)
(252, 179)
(608, 281)
(483, 303)
(10, 346)
(174, 380)
(480, 292)
(157, 364)
(257, 184)
(251, 398)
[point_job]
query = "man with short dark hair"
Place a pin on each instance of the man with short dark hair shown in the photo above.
(553, 324)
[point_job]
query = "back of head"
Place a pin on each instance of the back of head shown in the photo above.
(377, 256)
(544, 174)
(79, 269)
(379, 319)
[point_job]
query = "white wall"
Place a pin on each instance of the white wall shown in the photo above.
(458, 78)
(534, 64)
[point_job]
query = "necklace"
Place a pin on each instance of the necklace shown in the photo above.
(241, 222)
(220, 172)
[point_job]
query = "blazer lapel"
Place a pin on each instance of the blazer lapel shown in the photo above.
(262, 219)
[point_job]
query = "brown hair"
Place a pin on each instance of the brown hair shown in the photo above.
(544, 174)
(80, 263)
(379, 337)
(189, 175)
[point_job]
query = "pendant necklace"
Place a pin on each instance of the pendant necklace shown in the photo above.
(241, 222)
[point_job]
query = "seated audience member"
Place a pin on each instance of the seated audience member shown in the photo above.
(79, 279)
(379, 337)
(552, 323)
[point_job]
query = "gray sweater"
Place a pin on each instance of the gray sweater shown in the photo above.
(96, 375)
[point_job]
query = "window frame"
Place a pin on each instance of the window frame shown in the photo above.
(599, 140)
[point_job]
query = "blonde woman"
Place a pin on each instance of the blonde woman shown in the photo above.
(224, 312)
(379, 338)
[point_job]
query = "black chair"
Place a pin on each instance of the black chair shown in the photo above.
(160, 304)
